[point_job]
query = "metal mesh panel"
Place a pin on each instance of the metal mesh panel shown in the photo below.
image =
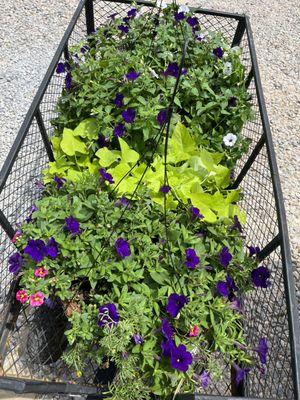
(265, 310)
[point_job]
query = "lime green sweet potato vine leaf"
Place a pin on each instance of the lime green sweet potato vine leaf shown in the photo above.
(71, 145)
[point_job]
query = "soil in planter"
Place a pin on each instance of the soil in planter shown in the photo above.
(47, 341)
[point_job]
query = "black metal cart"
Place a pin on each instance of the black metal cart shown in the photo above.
(272, 312)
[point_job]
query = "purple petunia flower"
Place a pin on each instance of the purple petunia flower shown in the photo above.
(181, 359)
(119, 130)
(195, 213)
(162, 116)
(165, 189)
(179, 16)
(262, 350)
(72, 225)
(260, 277)
(167, 347)
(61, 68)
(123, 202)
(33, 208)
(122, 248)
(192, 21)
(106, 176)
(68, 81)
(172, 70)
(240, 373)
(84, 49)
(226, 288)
(52, 303)
(118, 100)
(225, 257)
(132, 13)
(237, 225)
(236, 304)
(232, 101)
(132, 75)
(123, 28)
(205, 379)
(166, 329)
(36, 249)
(128, 115)
(108, 315)
(218, 52)
(192, 260)
(15, 262)
(59, 182)
(126, 20)
(51, 248)
(175, 304)
(137, 338)
(253, 250)
(102, 141)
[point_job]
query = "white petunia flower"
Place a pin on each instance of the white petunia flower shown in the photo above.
(227, 68)
(230, 139)
(183, 8)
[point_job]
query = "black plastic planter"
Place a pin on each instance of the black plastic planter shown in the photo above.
(271, 313)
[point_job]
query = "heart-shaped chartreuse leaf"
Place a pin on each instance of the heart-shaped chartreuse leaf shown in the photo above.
(71, 144)
(88, 128)
(125, 155)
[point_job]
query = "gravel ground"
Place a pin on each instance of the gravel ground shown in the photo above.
(31, 30)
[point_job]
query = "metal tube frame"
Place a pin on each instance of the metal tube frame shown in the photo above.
(26, 386)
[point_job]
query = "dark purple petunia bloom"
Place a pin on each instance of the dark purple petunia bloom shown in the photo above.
(68, 81)
(232, 101)
(225, 257)
(36, 249)
(122, 248)
(192, 260)
(59, 182)
(166, 329)
(51, 248)
(175, 304)
(106, 176)
(179, 16)
(123, 202)
(128, 115)
(172, 70)
(165, 189)
(162, 116)
(260, 277)
(137, 338)
(102, 141)
(119, 130)
(262, 350)
(205, 379)
(108, 315)
(167, 347)
(123, 28)
(84, 49)
(218, 52)
(126, 20)
(132, 13)
(118, 100)
(226, 288)
(52, 303)
(253, 250)
(195, 213)
(240, 373)
(237, 225)
(72, 225)
(192, 21)
(181, 359)
(15, 262)
(60, 68)
(132, 75)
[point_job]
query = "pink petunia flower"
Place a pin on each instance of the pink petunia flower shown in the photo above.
(37, 299)
(16, 236)
(41, 272)
(22, 296)
(194, 330)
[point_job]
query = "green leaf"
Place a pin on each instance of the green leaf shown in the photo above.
(127, 154)
(70, 144)
(87, 128)
(107, 157)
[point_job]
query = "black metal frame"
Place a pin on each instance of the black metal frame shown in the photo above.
(280, 240)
